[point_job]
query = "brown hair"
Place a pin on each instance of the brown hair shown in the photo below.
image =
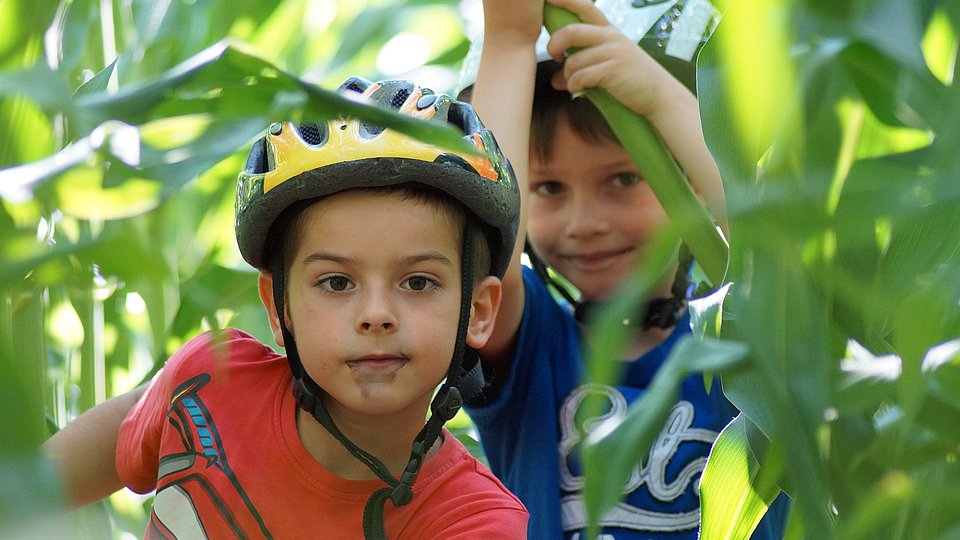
(550, 104)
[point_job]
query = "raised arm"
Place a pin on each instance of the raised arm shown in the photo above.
(608, 59)
(84, 451)
(503, 97)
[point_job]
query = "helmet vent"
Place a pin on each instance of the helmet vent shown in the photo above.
(463, 116)
(313, 134)
(355, 84)
(257, 162)
(369, 131)
(400, 98)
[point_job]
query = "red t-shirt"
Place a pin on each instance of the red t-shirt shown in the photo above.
(215, 435)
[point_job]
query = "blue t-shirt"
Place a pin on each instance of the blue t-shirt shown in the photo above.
(531, 432)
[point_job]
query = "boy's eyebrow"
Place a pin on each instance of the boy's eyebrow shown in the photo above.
(622, 164)
(429, 256)
(426, 256)
(318, 256)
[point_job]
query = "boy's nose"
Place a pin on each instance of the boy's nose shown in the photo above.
(584, 218)
(376, 314)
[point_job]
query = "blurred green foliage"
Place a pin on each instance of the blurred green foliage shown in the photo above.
(834, 123)
(124, 125)
(835, 128)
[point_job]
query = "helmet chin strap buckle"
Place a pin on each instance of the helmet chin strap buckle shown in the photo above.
(447, 402)
(403, 492)
(306, 399)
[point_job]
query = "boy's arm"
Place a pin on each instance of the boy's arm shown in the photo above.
(610, 60)
(503, 97)
(84, 451)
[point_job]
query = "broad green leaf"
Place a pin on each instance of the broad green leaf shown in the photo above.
(99, 82)
(706, 314)
(370, 23)
(896, 28)
(33, 510)
(242, 92)
(612, 448)
(611, 330)
(228, 81)
(75, 22)
(22, 355)
(750, 98)
(731, 501)
(866, 381)
(215, 288)
(48, 89)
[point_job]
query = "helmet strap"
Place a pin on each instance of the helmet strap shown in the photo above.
(656, 313)
(464, 381)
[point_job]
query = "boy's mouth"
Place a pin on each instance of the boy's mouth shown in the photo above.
(592, 262)
(378, 362)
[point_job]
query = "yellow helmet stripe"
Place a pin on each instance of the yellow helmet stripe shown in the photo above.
(294, 157)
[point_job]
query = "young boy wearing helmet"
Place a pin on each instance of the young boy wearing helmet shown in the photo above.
(588, 214)
(379, 258)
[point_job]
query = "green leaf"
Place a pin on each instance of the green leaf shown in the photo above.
(98, 83)
(214, 288)
(612, 448)
(732, 499)
(33, 509)
(48, 89)
(609, 332)
(75, 21)
(369, 25)
(866, 381)
(243, 93)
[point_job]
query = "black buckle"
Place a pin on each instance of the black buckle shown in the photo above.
(447, 403)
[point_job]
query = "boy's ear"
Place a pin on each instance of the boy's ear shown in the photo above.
(483, 312)
(265, 284)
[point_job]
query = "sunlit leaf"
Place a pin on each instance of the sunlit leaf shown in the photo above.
(732, 499)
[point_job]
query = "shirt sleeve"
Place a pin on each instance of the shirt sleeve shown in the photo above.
(493, 524)
(138, 442)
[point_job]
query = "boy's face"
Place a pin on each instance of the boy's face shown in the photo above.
(373, 296)
(590, 211)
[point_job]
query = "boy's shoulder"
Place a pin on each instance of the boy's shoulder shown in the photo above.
(219, 351)
(454, 468)
(456, 489)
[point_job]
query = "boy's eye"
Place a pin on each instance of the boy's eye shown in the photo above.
(335, 283)
(419, 283)
(548, 188)
(627, 179)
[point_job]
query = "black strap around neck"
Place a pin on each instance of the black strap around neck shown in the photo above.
(657, 313)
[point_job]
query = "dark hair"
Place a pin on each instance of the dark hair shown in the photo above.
(550, 104)
(285, 234)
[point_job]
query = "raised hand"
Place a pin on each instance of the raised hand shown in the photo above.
(596, 54)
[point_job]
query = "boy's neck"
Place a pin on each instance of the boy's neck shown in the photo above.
(644, 340)
(388, 439)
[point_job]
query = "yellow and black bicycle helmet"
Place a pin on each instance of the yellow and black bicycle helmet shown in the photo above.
(293, 163)
(296, 163)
